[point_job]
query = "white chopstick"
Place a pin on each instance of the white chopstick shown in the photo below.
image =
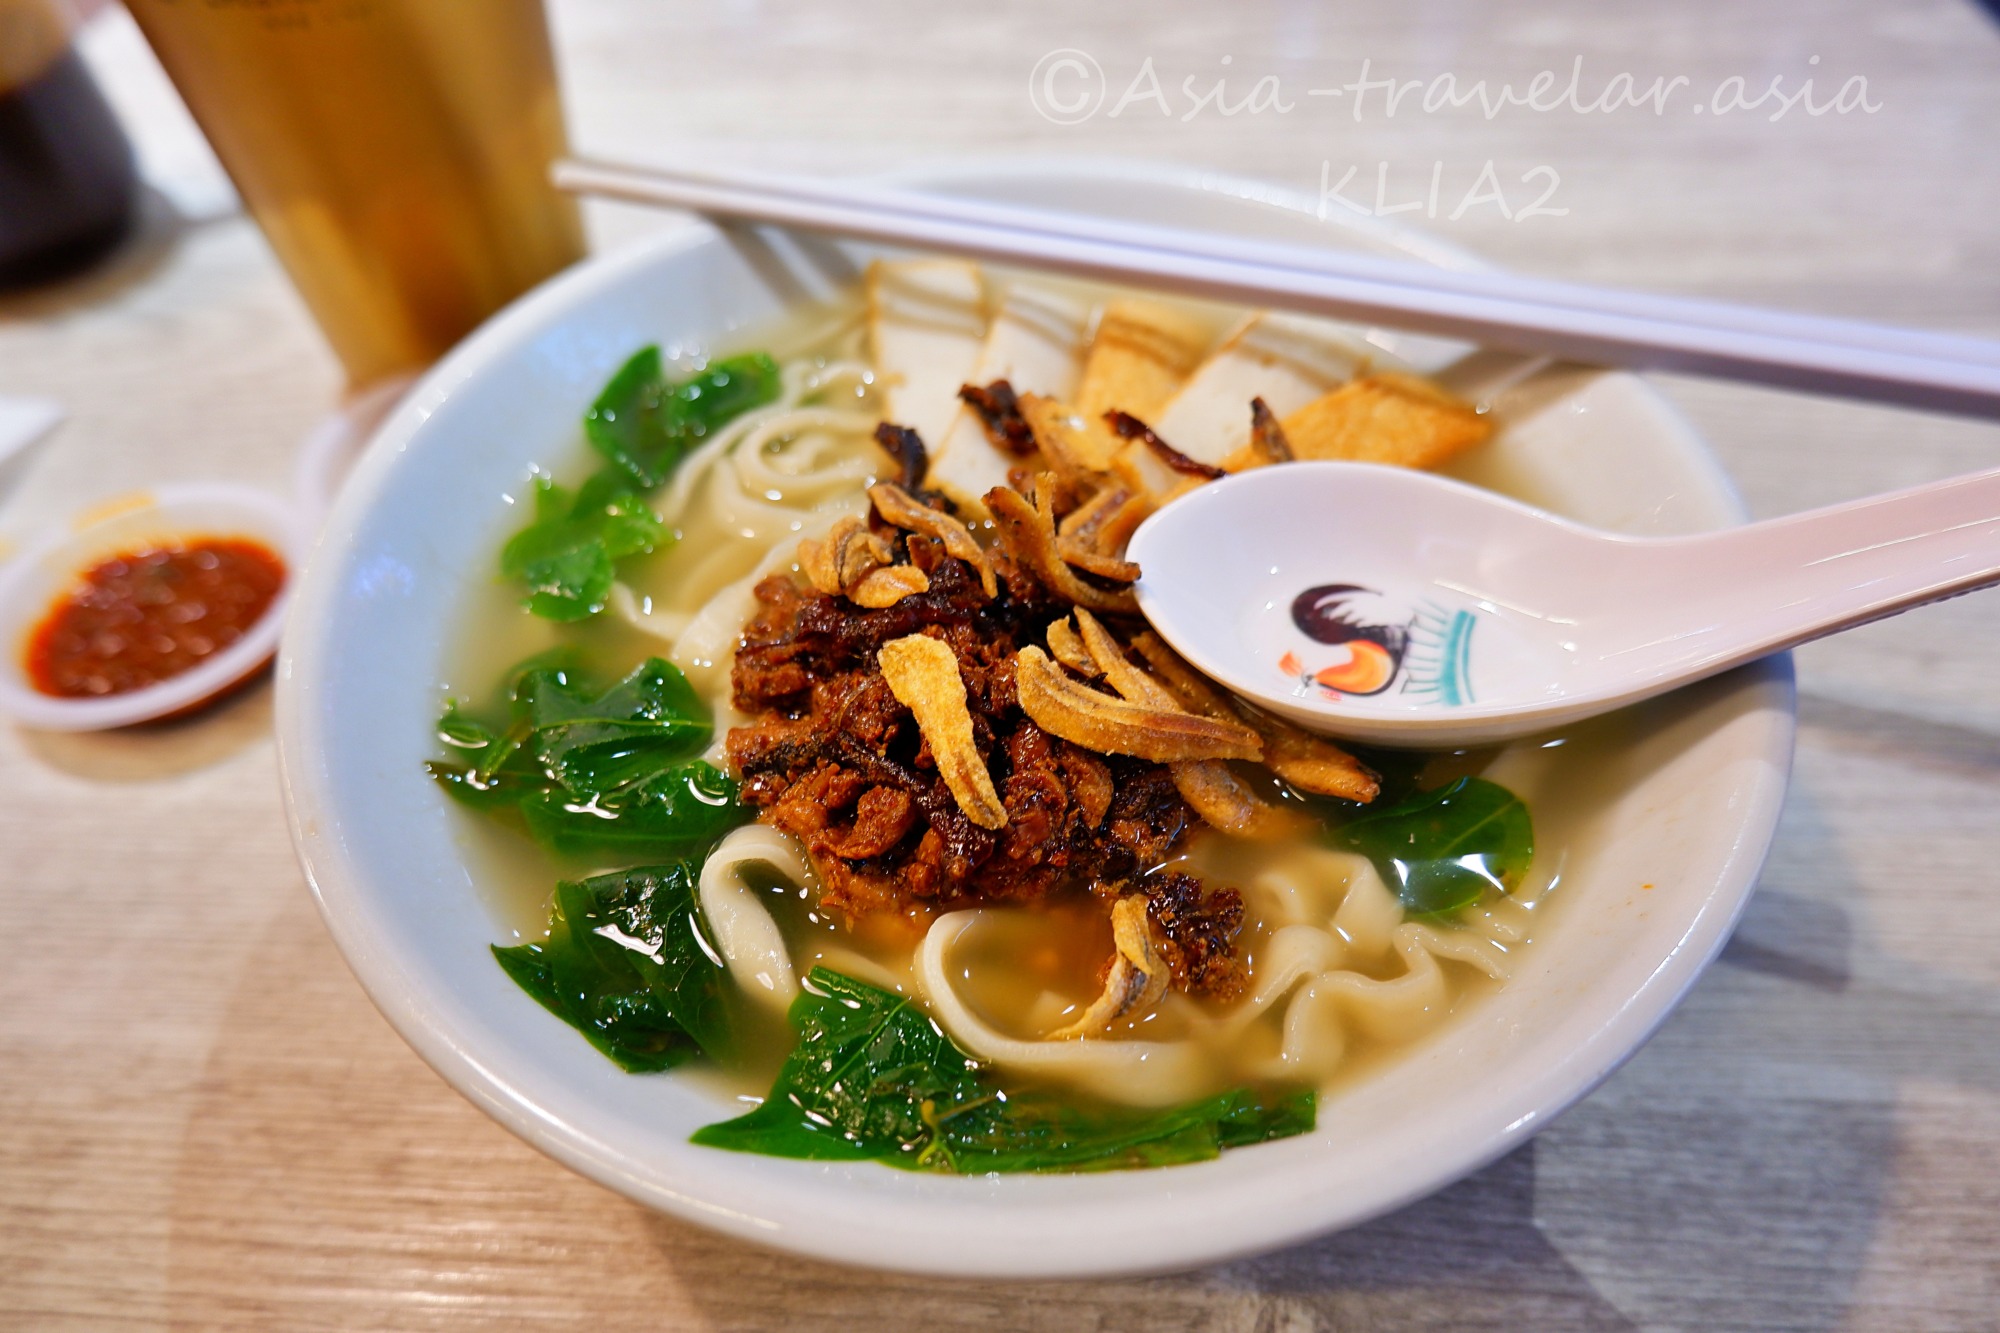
(1910, 368)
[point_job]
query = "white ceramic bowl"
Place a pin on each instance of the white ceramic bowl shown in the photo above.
(1648, 896)
(30, 583)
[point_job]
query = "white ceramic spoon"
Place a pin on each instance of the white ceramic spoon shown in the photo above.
(1403, 608)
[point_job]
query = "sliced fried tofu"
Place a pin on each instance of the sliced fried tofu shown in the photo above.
(1386, 418)
(926, 325)
(1140, 356)
(1286, 360)
(1035, 343)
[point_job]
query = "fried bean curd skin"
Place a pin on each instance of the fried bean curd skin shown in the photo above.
(896, 505)
(884, 587)
(1067, 648)
(1310, 763)
(1028, 533)
(1216, 794)
(1112, 725)
(923, 674)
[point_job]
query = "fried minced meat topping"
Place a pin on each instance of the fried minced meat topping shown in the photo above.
(833, 756)
(834, 759)
(1195, 931)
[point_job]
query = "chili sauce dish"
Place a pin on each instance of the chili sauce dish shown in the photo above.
(152, 606)
(720, 733)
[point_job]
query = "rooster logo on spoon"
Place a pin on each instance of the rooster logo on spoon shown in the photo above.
(1371, 630)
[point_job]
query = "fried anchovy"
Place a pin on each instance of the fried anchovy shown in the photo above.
(1000, 412)
(1130, 427)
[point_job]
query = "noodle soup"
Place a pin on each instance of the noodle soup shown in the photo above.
(1236, 918)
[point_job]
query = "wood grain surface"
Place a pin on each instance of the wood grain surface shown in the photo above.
(207, 1126)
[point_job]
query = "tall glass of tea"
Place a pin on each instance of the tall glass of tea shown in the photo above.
(395, 152)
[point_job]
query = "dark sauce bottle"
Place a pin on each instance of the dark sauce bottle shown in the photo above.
(66, 180)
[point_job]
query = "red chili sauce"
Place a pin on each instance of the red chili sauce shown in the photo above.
(142, 616)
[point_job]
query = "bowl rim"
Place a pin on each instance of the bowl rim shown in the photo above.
(1551, 1091)
(275, 520)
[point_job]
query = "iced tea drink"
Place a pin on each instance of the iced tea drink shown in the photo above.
(395, 153)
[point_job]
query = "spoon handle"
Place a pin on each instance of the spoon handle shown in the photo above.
(1772, 585)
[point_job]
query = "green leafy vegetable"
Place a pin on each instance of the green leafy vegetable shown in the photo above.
(645, 423)
(623, 424)
(591, 745)
(626, 965)
(869, 1077)
(457, 730)
(612, 773)
(680, 811)
(1442, 849)
(479, 782)
(569, 555)
(874, 1078)
(1040, 1132)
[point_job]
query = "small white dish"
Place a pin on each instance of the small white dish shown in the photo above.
(32, 581)
(1649, 894)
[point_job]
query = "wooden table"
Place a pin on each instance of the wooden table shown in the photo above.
(206, 1125)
